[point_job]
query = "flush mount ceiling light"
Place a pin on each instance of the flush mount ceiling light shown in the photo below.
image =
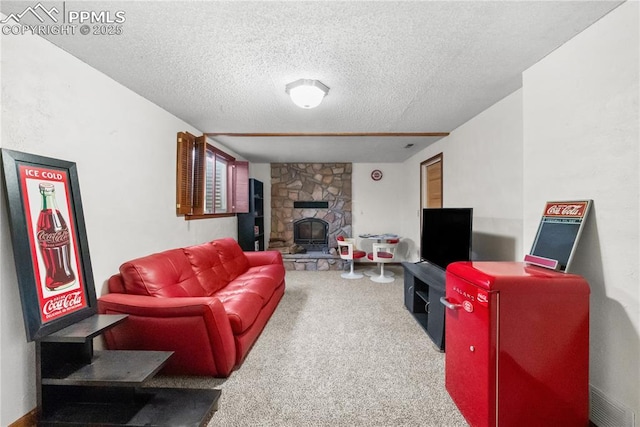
(307, 93)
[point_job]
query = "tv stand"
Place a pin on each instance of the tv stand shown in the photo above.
(424, 284)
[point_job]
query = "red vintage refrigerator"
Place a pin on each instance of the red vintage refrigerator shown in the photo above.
(517, 344)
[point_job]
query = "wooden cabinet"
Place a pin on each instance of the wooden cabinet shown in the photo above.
(78, 386)
(251, 224)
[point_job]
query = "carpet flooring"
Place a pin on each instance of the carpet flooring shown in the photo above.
(335, 353)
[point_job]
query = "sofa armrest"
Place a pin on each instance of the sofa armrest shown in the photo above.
(196, 329)
(263, 258)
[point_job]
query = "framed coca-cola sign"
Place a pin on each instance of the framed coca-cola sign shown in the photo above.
(49, 242)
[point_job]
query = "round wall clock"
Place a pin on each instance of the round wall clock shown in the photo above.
(376, 175)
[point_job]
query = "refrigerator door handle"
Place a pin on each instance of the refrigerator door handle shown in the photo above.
(449, 305)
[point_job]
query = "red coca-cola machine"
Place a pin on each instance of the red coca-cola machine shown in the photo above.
(517, 349)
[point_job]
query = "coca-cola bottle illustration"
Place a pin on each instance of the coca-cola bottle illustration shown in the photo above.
(53, 238)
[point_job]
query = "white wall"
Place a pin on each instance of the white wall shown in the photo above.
(377, 206)
(482, 169)
(581, 141)
(54, 105)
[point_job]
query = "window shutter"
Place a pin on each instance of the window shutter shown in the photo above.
(210, 184)
(221, 187)
(208, 181)
(239, 190)
(184, 173)
(199, 171)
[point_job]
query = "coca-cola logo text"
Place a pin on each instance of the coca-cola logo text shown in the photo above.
(57, 238)
(62, 303)
(575, 210)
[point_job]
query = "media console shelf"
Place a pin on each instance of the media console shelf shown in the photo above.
(424, 284)
(80, 387)
(251, 224)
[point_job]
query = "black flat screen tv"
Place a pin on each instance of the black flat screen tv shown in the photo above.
(446, 235)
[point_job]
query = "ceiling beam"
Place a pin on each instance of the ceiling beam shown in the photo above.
(332, 134)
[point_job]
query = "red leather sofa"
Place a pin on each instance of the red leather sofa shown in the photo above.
(208, 303)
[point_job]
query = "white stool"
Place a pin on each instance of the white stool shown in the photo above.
(383, 253)
(347, 251)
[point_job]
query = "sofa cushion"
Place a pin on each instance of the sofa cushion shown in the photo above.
(166, 274)
(242, 308)
(262, 280)
(232, 257)
(207, 267)
(275, 272)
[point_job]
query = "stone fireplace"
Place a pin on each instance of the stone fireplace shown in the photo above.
(305, 192)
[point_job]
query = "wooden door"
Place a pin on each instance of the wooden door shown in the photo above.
(431, 182)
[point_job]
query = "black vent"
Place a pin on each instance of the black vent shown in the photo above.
(311, 205)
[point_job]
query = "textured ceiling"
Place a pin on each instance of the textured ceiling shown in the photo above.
(425, 66)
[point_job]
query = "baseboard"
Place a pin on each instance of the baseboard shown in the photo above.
(28, 420)
(605, 412)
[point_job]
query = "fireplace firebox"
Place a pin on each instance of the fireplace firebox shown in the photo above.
(312, 234)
